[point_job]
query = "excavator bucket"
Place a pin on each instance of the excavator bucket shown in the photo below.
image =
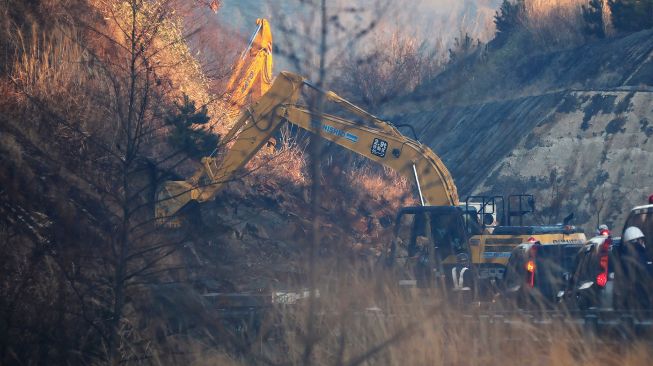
(170, 199)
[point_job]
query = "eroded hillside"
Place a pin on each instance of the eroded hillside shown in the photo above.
(572, 127)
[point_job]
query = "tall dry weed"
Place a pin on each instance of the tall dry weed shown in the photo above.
(390, 65)
(364, 319)
(556, 22)
(51, 65)
(66, 88)
(381, 184)
(284, 163)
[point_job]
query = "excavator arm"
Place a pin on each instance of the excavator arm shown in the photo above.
(251, 77)
(375, 139)
(250, 132)
(393, 150)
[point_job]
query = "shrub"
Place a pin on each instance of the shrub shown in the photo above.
(508, 20)
(539, 24)
(593, 17)
(393, 65)
(632, 15)
(194, 142)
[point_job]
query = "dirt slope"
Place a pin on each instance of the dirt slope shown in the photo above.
(572, 127)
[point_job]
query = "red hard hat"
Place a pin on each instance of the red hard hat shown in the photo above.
(532, 240)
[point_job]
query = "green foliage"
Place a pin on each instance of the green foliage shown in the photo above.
(463, 46)
(631, 15)
(593, 17)
(194, 142)
(509, 19)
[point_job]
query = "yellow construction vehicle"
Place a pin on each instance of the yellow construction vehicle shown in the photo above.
(430, 241)
(434, 234)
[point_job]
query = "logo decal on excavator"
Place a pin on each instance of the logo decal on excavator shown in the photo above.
(379, 147)
(337, 132)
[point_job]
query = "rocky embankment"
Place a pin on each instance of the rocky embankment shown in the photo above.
(572, 127)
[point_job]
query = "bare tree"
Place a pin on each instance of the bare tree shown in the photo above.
(393, 65)
(148, 50)
(315, 41)
(118, 71)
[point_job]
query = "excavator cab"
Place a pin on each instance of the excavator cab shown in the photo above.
(489, 209)
(427, 241)
(492, 209)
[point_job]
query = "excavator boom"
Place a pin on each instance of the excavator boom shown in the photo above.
(404, 155)
(374, 139)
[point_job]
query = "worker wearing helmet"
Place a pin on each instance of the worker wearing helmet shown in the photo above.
(637, 267)
(461, 276)
(635, 242)
(533, 240)
(633, 235)
(603, 230)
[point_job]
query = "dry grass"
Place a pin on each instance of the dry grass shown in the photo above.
(284, 164)
(555, 21)
(383, 185)
(391, 64)
(177, 69)
(53, 67)
(542, 8)
(418, 328)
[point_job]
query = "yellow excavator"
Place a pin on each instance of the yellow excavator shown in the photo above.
(375, 139)
(434, 234)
